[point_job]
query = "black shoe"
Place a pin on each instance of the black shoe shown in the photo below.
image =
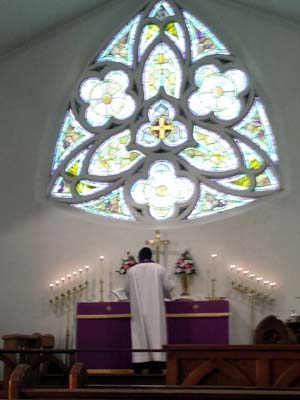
(156, 367)
(138, 368)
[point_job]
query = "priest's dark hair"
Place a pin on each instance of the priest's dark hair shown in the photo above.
(145, 254)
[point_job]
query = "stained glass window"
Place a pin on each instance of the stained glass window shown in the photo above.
(165, 124)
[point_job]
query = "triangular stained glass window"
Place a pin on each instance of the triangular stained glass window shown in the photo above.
(167, 126)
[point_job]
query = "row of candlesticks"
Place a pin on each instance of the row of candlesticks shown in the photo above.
(251, 284)
(69, 285)
(73, 283)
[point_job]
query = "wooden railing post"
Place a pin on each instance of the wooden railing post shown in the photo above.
(78, 376)
(17, 380)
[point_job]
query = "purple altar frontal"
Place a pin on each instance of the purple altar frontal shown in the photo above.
(103, 330)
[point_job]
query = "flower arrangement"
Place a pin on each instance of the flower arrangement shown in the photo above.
(126, 263)
(185, 264)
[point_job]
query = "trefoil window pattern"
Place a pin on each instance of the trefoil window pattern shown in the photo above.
(164, 125)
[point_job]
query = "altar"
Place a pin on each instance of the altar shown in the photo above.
(103, 330)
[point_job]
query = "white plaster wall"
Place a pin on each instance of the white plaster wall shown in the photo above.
(41, 240)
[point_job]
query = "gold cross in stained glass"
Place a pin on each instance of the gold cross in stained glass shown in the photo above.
(157, 242)
(161, 128)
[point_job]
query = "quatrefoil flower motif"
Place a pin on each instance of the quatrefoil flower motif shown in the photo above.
(107, 98)
(218, 92)
(162, 190)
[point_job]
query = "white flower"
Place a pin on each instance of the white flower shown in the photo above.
(162, 190)
(218, 92)
(107, 98)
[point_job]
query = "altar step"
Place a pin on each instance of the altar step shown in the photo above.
(158, 393)
(95, 380)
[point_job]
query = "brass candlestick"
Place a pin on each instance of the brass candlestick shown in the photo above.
(213, 288)
(213, 291)
(101, 290)
(68, 297)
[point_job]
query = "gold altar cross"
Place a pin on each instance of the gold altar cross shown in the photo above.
(157, 242)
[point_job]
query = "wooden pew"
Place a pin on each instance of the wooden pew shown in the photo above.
(274, 366)
(21, 375)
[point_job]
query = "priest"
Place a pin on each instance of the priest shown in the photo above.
(148, 283)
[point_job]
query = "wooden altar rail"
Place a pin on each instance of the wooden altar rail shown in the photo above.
(36, 357)
(274, 366)
(76, 390)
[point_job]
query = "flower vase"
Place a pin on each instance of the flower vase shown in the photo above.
(185, 284)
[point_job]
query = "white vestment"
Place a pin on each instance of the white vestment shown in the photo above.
(147, 286)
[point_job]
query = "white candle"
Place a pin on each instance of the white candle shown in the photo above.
(74, 280)
(62, 279)
(239, 271)
(80, 276)
(266, 288)
(252, 281)
(259, 280)
(272, 286)
(86, 279)
(214, 265)
(232, 268)
(51, 286)
(245, 280)
(101, 271)
(69, 276)
(56, 288)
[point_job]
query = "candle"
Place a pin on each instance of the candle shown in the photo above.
(101, 277)
(239, 271)
(258, 282)
(245, 280)
(56, 289)
(101, 272)
(74, 280)
(80, 276)
(86, 269)
(62, 279)
(69, 276)
(232, 268)
(51, 286)
(266, 288)
(252, 280)
(214, 265)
